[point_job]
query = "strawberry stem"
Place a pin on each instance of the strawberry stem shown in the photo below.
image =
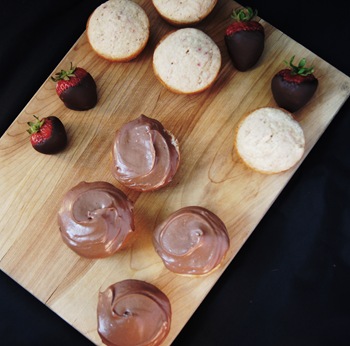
(244, 14)
(299, 69)
(64, 75)
(34, 126)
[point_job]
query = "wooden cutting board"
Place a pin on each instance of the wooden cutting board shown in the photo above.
(210, 174)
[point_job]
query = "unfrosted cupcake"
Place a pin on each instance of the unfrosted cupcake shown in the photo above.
(118, 30)
(187, 61)
(269, 140)
(184, 12)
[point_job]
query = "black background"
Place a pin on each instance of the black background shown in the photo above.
(290, 283)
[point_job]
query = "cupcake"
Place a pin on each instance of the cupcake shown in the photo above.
(184, 12)
(118, 30)
(145, 156)
(269, 140)
(133, 312)
(187, 61)
(96, 219)
(191, 241)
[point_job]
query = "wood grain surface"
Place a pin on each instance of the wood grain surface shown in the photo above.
(210, 174)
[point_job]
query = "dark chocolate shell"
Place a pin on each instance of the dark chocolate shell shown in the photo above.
(292, 96)
(245, 48)
(82, 96)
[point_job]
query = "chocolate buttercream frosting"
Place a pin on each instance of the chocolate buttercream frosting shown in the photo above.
(193, 240)
(133, 312)
(145, 155)
(95, 219)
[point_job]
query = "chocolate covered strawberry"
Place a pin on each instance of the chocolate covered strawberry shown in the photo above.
(76, 88)
(293, 87)
(47, 135)
(245, 39)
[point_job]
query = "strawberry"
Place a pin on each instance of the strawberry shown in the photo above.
(294, 86)
(76, 88)
(245, 39)
(47, 135)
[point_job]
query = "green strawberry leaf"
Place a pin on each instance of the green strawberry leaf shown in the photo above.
(299, 69)
(244, 14)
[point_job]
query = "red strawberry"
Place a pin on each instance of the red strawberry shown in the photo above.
(293, 87)
(76, 88)
(47, 135)
(245, 39)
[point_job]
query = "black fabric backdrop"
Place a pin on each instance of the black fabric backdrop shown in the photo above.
(290, 283)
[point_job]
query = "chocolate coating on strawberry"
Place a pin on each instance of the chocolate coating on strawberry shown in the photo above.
(47, 135)
(293, 87)
(76, 88)
(245, 39)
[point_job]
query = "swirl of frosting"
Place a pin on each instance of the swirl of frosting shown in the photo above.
(145, 155)
(95, 219)
(133, 312)
(193, 241)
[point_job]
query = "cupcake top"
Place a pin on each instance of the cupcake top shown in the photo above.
(95, 219)
(187, 61)
(118, 30)
(133, 312)
(191, 241)
(184, 12)
(145, 155)
(269, 140)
